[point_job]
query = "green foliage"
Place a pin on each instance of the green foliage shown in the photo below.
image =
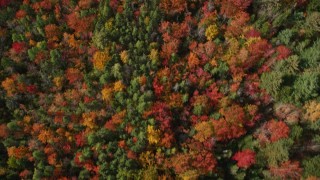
(289, 66)
(312, 166)
(272, 83)
(274, 153)
(296, 132)
(311, 56)
(306, 86)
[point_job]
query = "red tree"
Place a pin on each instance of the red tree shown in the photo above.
(245, 158)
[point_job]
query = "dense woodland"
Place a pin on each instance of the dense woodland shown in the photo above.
(161, 89)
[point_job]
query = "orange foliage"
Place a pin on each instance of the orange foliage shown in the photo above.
(175, 100)
(204, 131)
(17, 152)
(240, 20)
(107, 94)
(100, 58)
(172, 7)
(9, 85)
(52, 31)
(287, 170)
(73, 75)
(79, 24)
(169, 48)
(193, 60)
(45, 136)
(272, 131)
(4, 131)
(115, 120)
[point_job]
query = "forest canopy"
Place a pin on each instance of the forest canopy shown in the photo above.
(161, 89)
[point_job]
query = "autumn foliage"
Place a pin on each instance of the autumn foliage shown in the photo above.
(168, 89)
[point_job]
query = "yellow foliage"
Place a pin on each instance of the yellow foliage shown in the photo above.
(312, 111)
(190, 175)
(9, 86)
(147, 159)
(108, 25)
(153, 135)
(26, 119)
(89, 119)
(100, 58)
(69, 136)
(124, 56)
(211, 32)
(147, 20)
(204, 131)
(154, 55)
(58, 81)
(107, 94)
(251, 40)
(118, 86)
(214, 62)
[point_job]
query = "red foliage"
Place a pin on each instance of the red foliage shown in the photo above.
(4, 131)
(252, 33)
(162, 114)
(46, 4)
(131, 155)
(88, 99)
(230, 7)
(80, 139)
(114, 4)
(301, 2)
(232, 125)
(79, 24)
(167, 139)
(199, 77)
(213, 94)
(226, 131)
(122, 144)
(77, 159)
(287, 170)
(272, 131)
(4, 3)
(257, 50)
(241, 4)
(180, 163)
(21, 14)
(31, 89)
(239, 21)
(18, 46)
(158, 88)
(204, 161)
(245, 158)
(251, 86)
(283, 52)
(169, 48)
(25, 173)
(173, 30)
(110, 125)
(73, 75)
